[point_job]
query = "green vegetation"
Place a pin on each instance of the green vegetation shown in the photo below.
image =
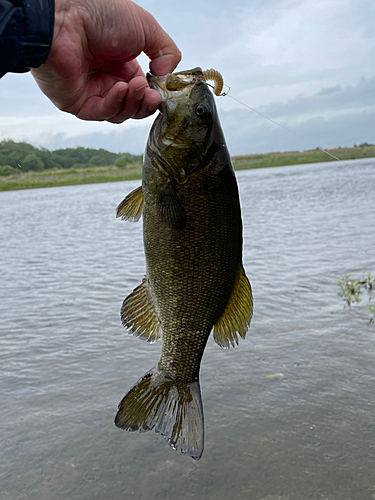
(24, 166)
(364, 150)
(25, 157)
(70, 177)
(352, 290)
(6, 170)
(123, 160)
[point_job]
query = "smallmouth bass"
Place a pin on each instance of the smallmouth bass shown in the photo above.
(195, 281)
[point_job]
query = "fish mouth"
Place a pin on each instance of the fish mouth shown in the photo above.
(175, 85)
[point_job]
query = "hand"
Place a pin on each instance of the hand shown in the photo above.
(92, 71)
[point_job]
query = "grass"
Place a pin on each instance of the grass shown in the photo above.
(52, 178)
(298, 157)
(70, 177)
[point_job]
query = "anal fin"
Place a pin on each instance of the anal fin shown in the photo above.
(236, 317)
(138, 314)
(132, 206)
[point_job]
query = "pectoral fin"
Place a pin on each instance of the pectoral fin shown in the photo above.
(237, 315)
(131, 207)
(170, 204)
(138, 314)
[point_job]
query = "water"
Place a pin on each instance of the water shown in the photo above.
(290, 414)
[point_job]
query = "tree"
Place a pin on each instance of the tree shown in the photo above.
(17, 155)
(7, 170)
(32, 162)
(123, 160)
(98, 161)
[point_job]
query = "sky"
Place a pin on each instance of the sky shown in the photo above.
(308, 65)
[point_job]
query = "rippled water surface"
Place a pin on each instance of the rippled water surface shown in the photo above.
(289, 414)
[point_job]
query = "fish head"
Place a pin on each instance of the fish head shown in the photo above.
(187, 129)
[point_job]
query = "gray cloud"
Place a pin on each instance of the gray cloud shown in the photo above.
(246, 133)
(20, 96)
(129, 140)
(329, 90)
(337, 98)
(304, 63)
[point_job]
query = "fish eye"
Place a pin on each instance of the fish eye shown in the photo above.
(201, 109)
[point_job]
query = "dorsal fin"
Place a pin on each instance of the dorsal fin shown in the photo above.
(237, 314)
(132, 206)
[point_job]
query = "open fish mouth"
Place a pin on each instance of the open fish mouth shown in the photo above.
(179, 84)
(175, 85)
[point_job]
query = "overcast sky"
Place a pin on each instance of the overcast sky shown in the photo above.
(306, 64)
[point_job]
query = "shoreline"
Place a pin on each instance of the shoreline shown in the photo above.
(133, 171)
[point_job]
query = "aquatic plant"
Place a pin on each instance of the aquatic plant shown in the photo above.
(351, 290)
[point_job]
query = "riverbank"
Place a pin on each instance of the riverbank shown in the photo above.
(301, 157)
(70, 177)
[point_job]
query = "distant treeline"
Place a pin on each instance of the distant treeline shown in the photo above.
(18, 157)
(23, 157)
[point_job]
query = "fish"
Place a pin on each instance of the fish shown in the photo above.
(195, 282)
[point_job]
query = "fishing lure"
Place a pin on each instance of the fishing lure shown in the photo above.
(214, 76)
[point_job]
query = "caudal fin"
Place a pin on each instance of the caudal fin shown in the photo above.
(174, 410)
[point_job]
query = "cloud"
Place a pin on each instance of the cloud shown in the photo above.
(131, 140)
(331, 117)
(245, 132)
(248, 133)
(329, 90)
(332, 100)
(303, 63)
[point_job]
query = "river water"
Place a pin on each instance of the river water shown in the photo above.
(289, 414)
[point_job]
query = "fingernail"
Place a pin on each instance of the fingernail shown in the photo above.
(140, 91)
(122, 93)
(150, 110)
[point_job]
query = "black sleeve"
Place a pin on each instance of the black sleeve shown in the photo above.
(26, 31)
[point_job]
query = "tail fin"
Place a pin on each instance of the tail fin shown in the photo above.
(173, 409)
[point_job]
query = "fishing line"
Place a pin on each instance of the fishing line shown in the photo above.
(223, 94)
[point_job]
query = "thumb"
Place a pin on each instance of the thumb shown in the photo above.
(159, 47)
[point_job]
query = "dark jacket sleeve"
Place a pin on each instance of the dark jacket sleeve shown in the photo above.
(26, 31)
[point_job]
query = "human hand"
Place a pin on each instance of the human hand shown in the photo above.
(92, 71)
